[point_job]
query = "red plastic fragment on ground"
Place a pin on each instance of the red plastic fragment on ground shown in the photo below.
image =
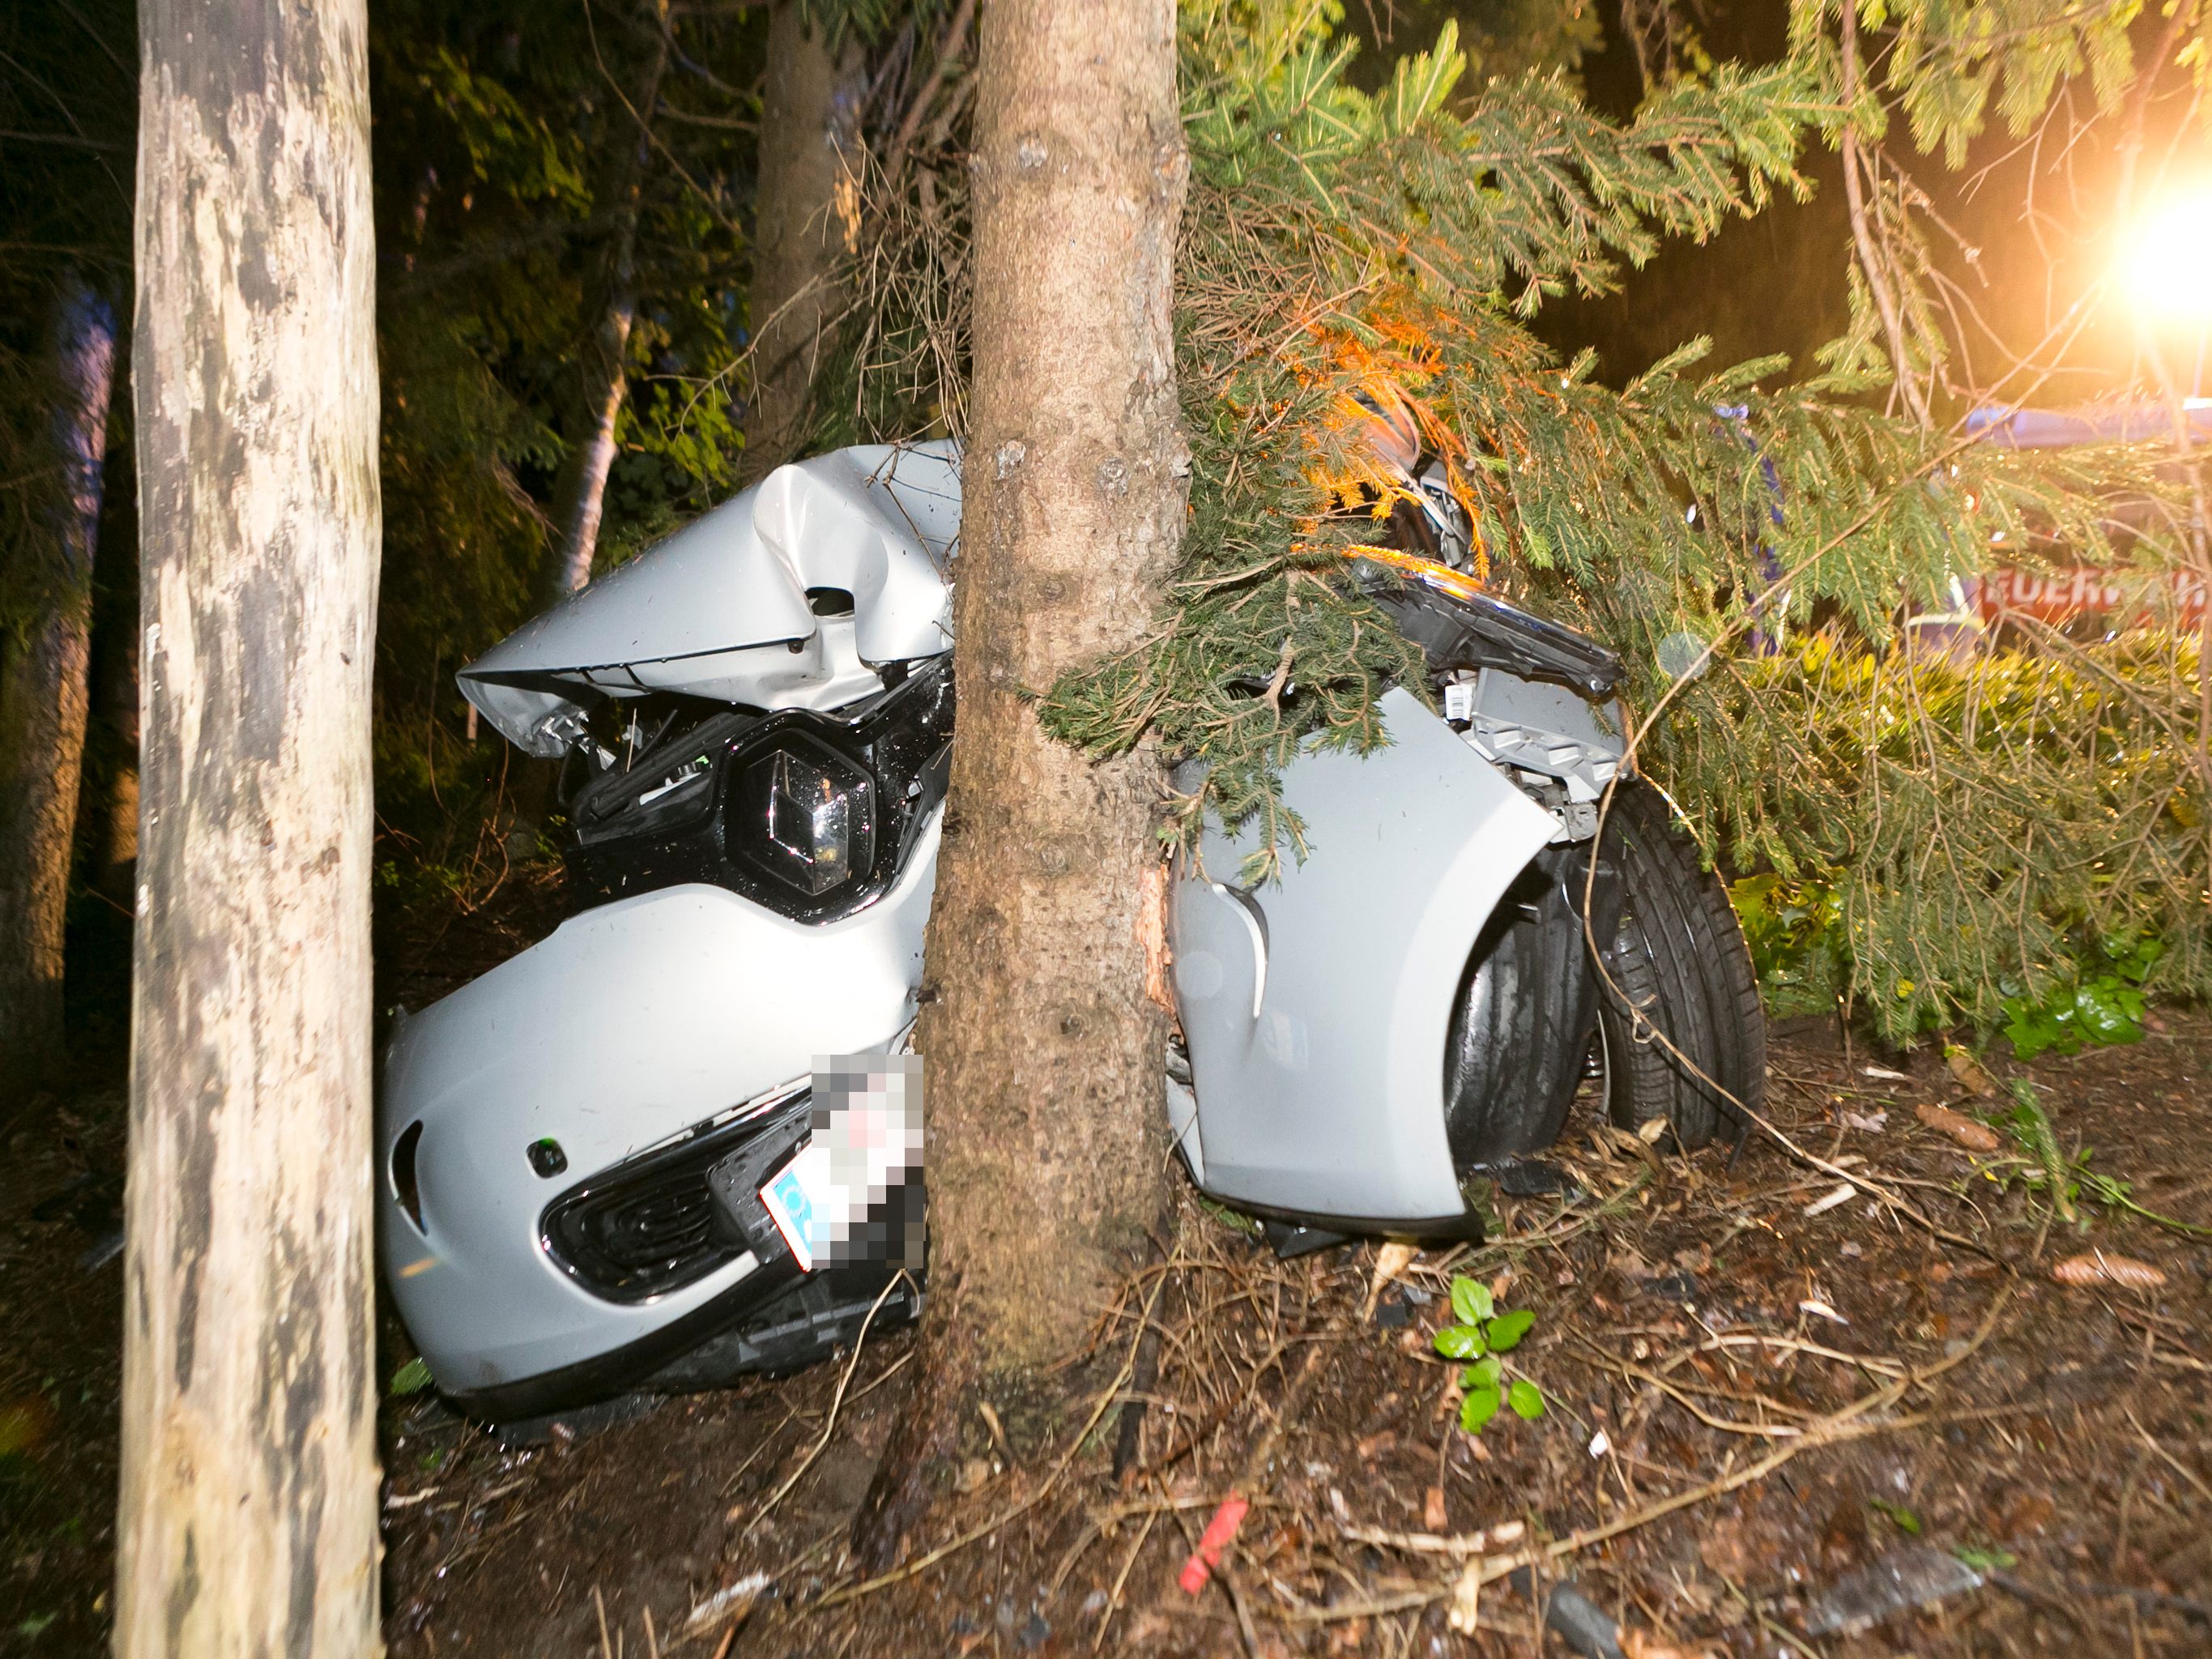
(1208, 1556)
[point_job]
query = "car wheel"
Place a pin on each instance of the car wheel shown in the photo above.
(1678, 968)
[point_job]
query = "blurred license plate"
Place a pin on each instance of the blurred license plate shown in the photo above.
(794, 1199)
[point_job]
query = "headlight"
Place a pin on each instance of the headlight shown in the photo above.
(809, 817)
(809, 814)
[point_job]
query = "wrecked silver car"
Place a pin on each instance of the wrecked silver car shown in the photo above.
(589, 1157)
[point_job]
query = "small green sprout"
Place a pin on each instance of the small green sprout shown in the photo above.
(1479, 1335)
(1899, 1516)
(412, 1377)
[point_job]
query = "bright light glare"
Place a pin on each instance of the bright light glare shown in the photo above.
(2168, 269)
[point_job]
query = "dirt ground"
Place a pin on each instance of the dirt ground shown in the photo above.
(1761, 1404)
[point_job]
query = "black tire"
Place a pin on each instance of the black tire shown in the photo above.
(1678, 967)
(1522, 1025)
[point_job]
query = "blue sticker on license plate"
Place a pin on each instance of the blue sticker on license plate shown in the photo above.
(790, 1205)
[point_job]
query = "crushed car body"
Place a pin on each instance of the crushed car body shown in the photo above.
(753, 721)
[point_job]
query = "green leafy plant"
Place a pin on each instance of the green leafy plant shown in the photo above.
(1986, 1560)
(1795, 935)
(2103, 1010)
(1897, 1515)
(412, 1377)
(1478, 1333)
(2042, 1168)
(1236, 1220)
(2103, 1006)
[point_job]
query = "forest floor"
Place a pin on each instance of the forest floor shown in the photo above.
(1763, 1406)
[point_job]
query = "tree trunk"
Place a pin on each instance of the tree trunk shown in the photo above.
(810, 140)
(1867, 241)
(43, 692)
(247, 1521)
(1046, 1131)
(118, 701)
(580, 492)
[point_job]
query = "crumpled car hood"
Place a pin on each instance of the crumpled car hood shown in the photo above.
(720, 609)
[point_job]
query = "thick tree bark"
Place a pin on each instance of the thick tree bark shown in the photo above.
(247, 1521)
(580, 491)
(43, 693)
(1046, 1131)
(810, 140)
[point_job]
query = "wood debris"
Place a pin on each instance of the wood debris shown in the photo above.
(1975, 1137)
(2100, 1267)
(1969, 1072)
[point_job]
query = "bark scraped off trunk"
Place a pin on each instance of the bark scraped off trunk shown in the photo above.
(810, 141)
(1043, 1051)
(247, 1520)
(43, 688)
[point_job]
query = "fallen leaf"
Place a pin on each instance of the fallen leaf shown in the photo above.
(1873, 1123)
(2027, 1512)
(1376, 1445)
(1969, 1070)
(1885, 1073)
(1433, 1516)
(1349, 1637)
(1724, 1547)
(1148, 1627)
(1814, 1305)
(2098, 1268)
(1973, 1136)
(412, 1377)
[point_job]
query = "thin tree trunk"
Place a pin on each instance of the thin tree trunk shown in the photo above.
(580, 492)
(1046, 1131)
(43, 693)
(1864, 238)
(810, 141)
(247, 1521)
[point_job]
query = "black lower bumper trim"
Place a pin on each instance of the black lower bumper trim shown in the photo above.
(1466, 1225)
(616, 1371)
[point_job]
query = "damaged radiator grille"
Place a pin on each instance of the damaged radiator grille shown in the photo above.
(647, 1226)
